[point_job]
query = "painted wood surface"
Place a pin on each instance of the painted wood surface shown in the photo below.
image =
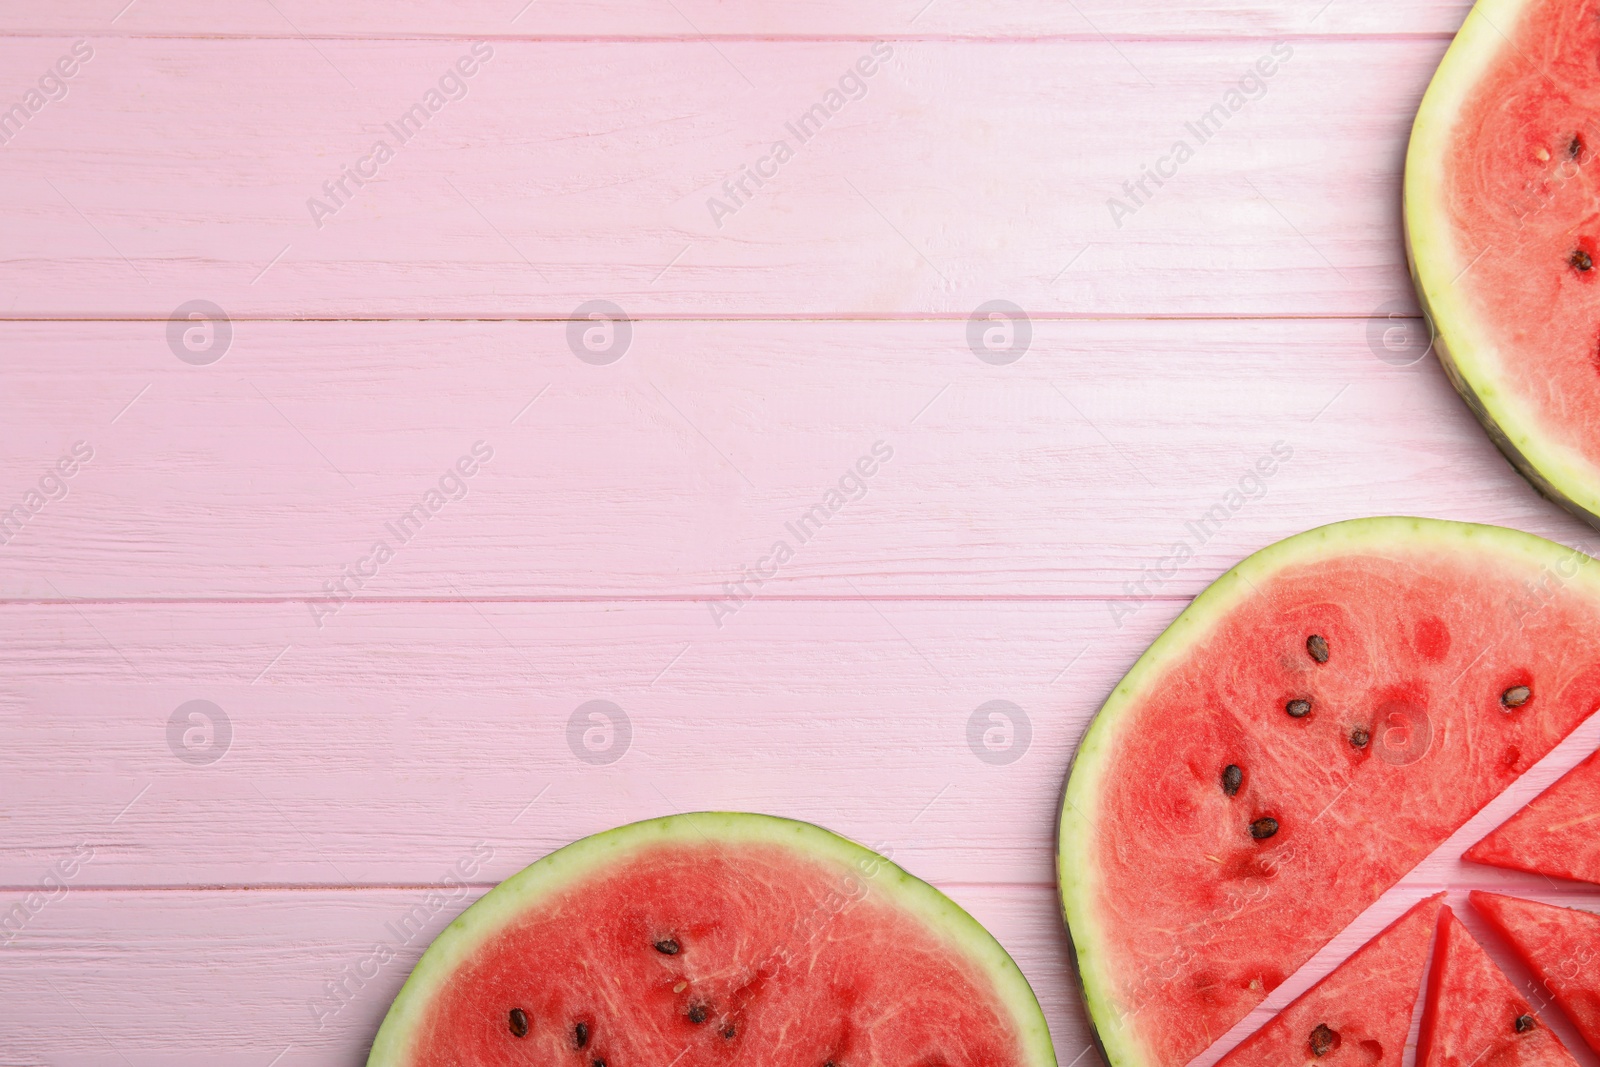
(353, 772)
(203, 490)
(236, 979)
(698, 19)
(454, 721)
(1085, 468)
(955, 173)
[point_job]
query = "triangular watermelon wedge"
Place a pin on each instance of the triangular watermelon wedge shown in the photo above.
(1475, 1017)
(1360, 1014)
(1561, 946)
(1558, 834)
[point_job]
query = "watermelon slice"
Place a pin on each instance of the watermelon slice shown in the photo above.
(1558, 834)
(1500, 187)
(1475, 1016)
(712, 939)
(1312, 726)
(1560, 946)
(1360, 1014)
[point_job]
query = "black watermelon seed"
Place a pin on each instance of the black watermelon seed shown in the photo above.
(728, 1033)
(1359, 737)
(580, 1034)
(698, 1013)
(1525, 1023)
(597, 1063)
(1575, 146)
(1581, 259)
(1298, 709)
(1232, 779)
(519, 1023)
(1516, 696)
(668, 947)
(1263, 828)
(1317, 645)
(1323, 1040)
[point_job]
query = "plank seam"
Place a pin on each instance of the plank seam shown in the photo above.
(742, 38)
(909, 598)
(910, 317)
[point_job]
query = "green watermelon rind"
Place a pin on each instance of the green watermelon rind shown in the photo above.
(1466, 348)
(1119, 1044)
(568, 866)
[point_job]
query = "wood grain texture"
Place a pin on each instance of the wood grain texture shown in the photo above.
(235, 979)
(1076, 471)
(182, 169)
(228, 978)
(694, 19)
(1016, 547)
(379, 749)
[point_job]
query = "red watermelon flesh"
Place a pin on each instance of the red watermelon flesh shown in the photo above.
(1504, 235)
(1561, 946)
(1558, 834)
(1475, 1017)
(712, 939)
(1522, 185)
(1216, 833)
(1360, 1014)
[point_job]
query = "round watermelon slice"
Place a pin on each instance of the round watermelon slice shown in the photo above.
(1311, 727)
(1503, 234)
(710, 939)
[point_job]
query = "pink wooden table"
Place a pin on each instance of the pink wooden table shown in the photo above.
(345, 471)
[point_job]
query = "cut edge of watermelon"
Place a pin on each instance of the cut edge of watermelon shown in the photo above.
(1449, 926)
(571, 864)
(1344, 973)
(1118, 1045)
(1433, 986)
(1498, 848)
(1499, 910)
(1463, 343)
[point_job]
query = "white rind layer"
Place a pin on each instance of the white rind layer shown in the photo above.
(1466, 347)
(589, 857)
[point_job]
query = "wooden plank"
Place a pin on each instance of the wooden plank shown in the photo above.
(1086, 468)
(696, 18)
(381, 748)
(953, 175)
(243, 976)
